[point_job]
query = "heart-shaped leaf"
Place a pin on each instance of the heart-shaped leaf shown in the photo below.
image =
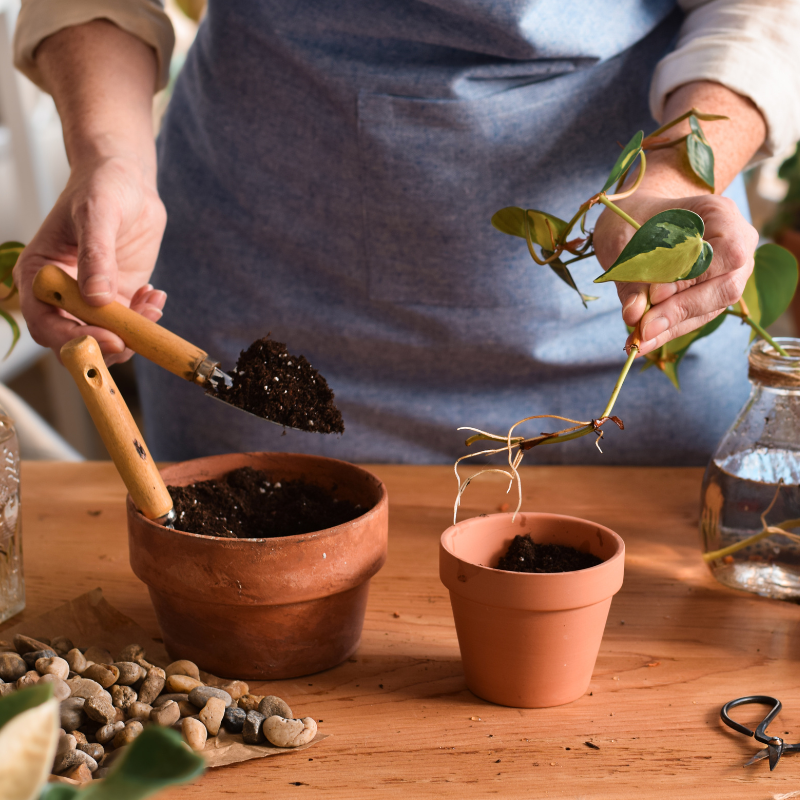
(544, 227)
(625, 160)
(561, 269)
(771, 287)
(669, 247)
(701, 156)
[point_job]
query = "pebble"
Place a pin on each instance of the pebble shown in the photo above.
(12, 666)
(99, 655)
(66, 741)
(30, 678)
(233, 719)
(129, 672)
(140, 711)
(123, 696)
(32, 657)
(272, 706)
(166, 715)
(80, 773)
(105, 674)
(71, 712)
(101, 773)
(152, 685)
(84, 687)
(6, 646)
(24, 644)
(135, 653)
(181, 683)
(250, 702)
(53, 666)
(62, 645)
(284, 732)
(71, 758)
(187, 709)
(251, 730)
(95, 750)
(200, 695)
(60, 688)
(129, 732)
(76, 660)
(236, 689)
(80, 738)
(100, 710)
(211, 714)
(7, 688)
(183, 667)
(194, 733)
(165, 698)
(108, 732)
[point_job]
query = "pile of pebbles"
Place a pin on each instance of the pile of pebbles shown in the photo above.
(106, 702)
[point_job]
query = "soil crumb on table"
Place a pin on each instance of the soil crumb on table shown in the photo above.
(525, 555)
(272, 383)
(250, 504)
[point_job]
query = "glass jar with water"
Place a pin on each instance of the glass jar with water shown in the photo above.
(12, 583)
(756, 469)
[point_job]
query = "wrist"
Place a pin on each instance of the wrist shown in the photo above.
(87, 151)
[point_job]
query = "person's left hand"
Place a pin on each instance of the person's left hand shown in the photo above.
(678, 308)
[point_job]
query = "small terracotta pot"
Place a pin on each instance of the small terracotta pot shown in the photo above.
(528, 640)
(264, 608)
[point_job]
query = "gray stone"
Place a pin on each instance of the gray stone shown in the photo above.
(233, 719)
(93, 749)
(251, 730)
(129, 672)
(12, 666)
(33, 656)
(272, 706)
(200, 695)
(71, 712)
(72, 758)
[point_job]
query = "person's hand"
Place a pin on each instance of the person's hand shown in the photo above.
(678, 308)
(105, 229)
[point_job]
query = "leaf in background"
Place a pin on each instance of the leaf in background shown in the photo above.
(701, 156)
(625, 160)
(669, 247)
(511, 220)
(9, 253)
(15, 333)
(772, 285)
(561, 269)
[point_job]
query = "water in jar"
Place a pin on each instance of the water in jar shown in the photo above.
(12, 584)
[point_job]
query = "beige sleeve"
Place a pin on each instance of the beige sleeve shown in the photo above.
(749, 46)
(39, 19)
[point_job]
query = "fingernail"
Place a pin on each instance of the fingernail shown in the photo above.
(97, 286)
(654, 328)
(629, 303)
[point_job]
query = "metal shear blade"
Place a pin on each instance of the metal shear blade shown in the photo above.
(775, 745)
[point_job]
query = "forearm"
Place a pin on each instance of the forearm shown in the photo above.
(102, 79)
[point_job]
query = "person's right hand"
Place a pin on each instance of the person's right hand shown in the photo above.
(105, 230)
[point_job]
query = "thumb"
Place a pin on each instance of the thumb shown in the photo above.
(633, 297)
(96, 232)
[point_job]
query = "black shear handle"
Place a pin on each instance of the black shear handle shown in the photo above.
(760, 732)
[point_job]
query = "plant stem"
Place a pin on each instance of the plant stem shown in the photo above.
(628, 192)
(758, 329)
(714, 555)
(619, 212)
(699, 114)
(620, 380)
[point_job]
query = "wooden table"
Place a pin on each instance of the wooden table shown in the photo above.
(677, 646)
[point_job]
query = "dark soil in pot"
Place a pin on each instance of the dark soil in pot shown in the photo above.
(251, 504)
(525, 555)
(270, 382)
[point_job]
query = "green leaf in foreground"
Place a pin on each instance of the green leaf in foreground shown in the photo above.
(625, 160)
(561, 269)
(701, 156)
(155, 760)
(16, 703)
(511, 220)
(772, 285)
(669, 247)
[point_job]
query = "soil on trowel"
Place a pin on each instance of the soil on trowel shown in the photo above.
(250, 504)
(525, 555)
(270, 382)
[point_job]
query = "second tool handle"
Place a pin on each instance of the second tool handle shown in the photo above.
(121, 436)
(53, 286)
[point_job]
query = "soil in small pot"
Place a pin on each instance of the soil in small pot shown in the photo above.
(525, 555)
(250, 504)
(270, 382)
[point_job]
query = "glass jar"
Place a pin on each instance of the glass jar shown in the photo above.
(758, 462)
(12, 582)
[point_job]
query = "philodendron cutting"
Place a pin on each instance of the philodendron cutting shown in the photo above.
(668, 247)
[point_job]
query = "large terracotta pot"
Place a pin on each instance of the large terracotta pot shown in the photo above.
(264, 608)
(528, 640)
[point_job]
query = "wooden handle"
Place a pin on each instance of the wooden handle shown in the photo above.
(53, 286)
(124, 442)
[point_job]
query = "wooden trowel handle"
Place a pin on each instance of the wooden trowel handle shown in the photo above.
(124, 442)
(53, 286)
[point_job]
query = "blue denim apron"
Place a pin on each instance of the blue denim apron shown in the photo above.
(330, 169)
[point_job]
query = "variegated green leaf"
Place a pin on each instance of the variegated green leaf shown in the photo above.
(9, 253)
(669, 247)
(15, 332)
(511, 220)
(561, 269)
(625, 160)
(701, 156)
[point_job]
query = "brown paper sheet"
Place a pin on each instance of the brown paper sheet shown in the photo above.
(91, 620)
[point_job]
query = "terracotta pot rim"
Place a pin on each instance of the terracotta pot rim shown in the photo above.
(618, 553)
(296, 538)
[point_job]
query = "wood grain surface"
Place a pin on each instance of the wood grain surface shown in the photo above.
(677, 646)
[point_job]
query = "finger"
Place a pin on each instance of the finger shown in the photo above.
(682, 328)
(153, 313)
(141, 292)
(96, 227)
(633, 297)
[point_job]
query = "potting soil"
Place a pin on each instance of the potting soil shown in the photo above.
(525, 555)
(251, 504)
(270, 382)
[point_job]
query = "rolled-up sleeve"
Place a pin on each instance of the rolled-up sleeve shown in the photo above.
(749, 46)
(39, 19)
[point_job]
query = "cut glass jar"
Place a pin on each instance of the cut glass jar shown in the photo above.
(12, 582)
